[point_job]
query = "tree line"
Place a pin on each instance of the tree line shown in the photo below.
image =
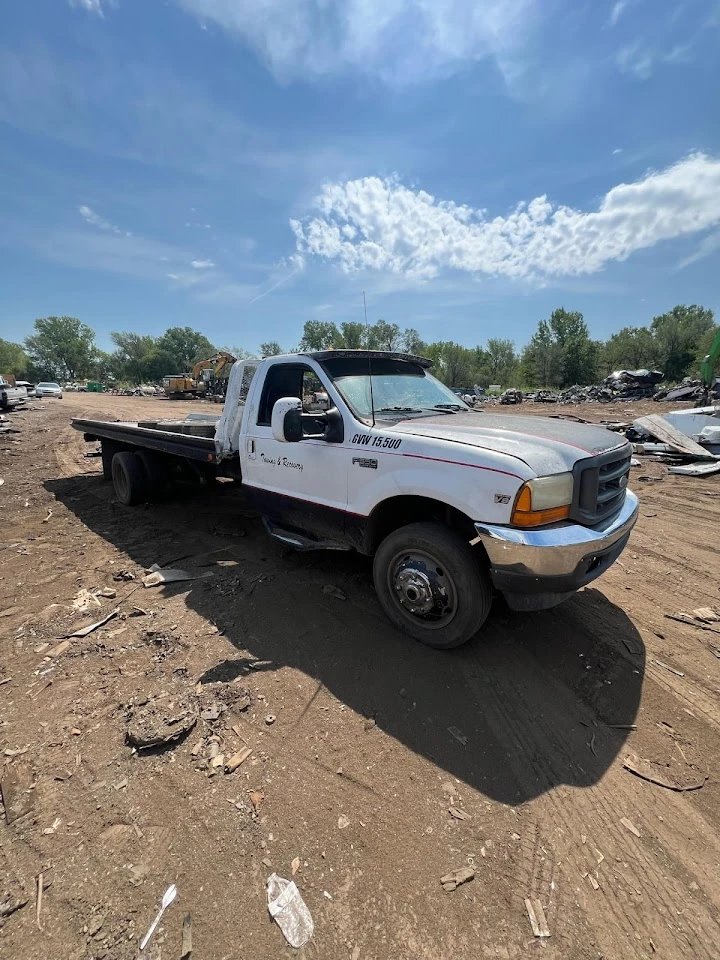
(561, 352)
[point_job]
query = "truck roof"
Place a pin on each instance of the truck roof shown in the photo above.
(321, 355)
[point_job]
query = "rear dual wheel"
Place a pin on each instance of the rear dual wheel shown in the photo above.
(431, 586)
(137, 476)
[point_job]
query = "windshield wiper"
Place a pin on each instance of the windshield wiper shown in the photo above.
(398, 410)
(453, 407)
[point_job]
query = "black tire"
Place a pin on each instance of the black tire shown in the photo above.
(129, 478)
(458, 590)
(155, 473)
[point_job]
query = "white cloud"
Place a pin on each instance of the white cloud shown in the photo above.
(201, 264)
(637, 60)
(93, 218)
(708, 245)
(398, 40)
(617, 150)
(375, 224)
(93, 6)
(617, 11)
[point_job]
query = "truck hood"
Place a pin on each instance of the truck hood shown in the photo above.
(545, 444)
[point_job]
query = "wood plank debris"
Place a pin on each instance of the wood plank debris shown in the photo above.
(629, 825)
(536, 915)
(664, 431)
(655, 773)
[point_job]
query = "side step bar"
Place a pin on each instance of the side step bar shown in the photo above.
(300, 541)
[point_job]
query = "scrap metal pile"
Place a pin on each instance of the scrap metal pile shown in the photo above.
(687, 440)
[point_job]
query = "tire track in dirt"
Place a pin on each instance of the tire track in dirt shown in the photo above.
(529, 727)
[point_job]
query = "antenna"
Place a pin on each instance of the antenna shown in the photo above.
(372, 396)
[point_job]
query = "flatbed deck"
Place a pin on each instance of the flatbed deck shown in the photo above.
(186, 438)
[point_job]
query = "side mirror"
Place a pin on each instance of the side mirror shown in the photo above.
(286, 422)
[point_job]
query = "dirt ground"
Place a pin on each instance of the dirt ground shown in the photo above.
(376, 740)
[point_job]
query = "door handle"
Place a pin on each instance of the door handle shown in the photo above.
(251, 448)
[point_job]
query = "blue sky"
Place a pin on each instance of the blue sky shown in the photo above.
(245, 166)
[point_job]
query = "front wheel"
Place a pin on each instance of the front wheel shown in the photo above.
(431, 586)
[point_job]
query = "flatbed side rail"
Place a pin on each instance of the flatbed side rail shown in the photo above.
(177, 444)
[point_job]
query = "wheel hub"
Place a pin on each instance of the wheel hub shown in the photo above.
(422, 588)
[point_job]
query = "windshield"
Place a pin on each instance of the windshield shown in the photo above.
(398, 388)
(52, 386)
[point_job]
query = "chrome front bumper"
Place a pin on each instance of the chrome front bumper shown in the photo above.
(557, 559)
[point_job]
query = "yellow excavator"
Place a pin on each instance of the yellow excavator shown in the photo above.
(208, 378)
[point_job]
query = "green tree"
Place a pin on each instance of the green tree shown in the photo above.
(270, 349)
(62, 346)
(412, 342)
(542, 359)
(13, 359)
(353, 335)
(498, 361)
(631, 348)
(319, 335)
(384, 336)
(183, 347)
(136, 358)
(452, 363)
(677, 334)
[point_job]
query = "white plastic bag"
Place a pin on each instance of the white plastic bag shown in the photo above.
(288, 910)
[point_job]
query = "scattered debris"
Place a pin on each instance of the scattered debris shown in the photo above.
(706, 613)
(343, 822)
(536, 915)
(288, 910)
(84, 600)
(108, 592)
(8, 907)
(454, 732)
(458, 814)
(665, 666)
(59, 648)
(157, 576)
(186, 948)
(95, 925)
(332, 591)
(270, 719)
(237, 759)
(696, 469)
(9, 752)
(167, 899)
(156, 721)
(84, 631)
(629, 825)
(49, 831)
(256, 799)
(45, 520)
(663, 776)
(457, 877)
(295, 865)
(16, 795)
(665, 432)
(38, 907)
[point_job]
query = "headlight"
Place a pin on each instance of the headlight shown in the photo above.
(543, 500)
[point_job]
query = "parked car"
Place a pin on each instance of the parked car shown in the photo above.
(53, 390)
(10, 394)
(30, 387)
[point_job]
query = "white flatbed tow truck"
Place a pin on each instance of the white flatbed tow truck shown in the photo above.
(454, 504)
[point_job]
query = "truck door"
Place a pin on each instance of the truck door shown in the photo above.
(299, 485)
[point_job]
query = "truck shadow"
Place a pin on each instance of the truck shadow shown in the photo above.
(535, 701)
